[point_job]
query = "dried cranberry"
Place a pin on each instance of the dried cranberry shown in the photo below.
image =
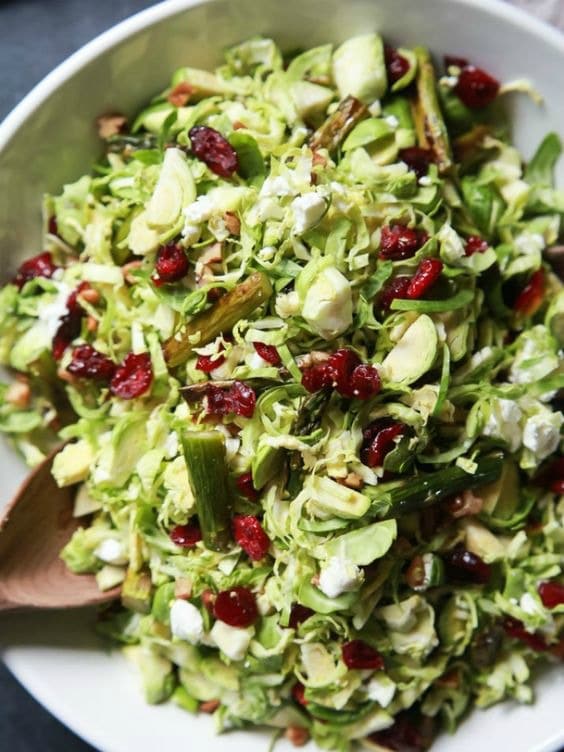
(427, 274)
(396, 65)
(242, 399)
(463, 565)
(299, 614)
(459, 62)
(551, 594)
(395, 288)
(399, 242)
(417, 159)
(69, 324)
(531, 296)
(378, 440)
(268, 353)
(236, 607)
(171, 264)
(250, 535)
(133, 377)
(319, 376)
(365, 382)
(298, 693)
(406, 735)
(214, 150)
(208, 363)
(552, 475)
(246, 487)
(557, 486)
(38, 266)
(52, 226)
(516, 629)
(357, 654)
(342, 363)
(475, 244)
(186, 536)
(89, 363)
(476, 88)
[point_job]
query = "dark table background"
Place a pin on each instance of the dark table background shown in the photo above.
(35, 36)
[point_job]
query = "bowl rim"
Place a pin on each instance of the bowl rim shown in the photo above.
(139, 21)
(89, 52)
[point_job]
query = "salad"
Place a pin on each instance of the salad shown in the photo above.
(299, 335)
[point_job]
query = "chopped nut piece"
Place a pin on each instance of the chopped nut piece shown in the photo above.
(232, 222)
(90, 295)
(91, 324)
(465, 504)
(181, 94)
(131, 266)
(210, 706)
(110, 125)
(297, 735)
(18, 394)
(183, 588)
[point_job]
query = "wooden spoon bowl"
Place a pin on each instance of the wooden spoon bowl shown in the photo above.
(33, 530)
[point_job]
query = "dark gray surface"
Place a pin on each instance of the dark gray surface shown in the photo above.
(36, 35)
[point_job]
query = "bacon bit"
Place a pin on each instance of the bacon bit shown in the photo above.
(238, 125)
(352, 480)
(183, 588)
(90, 295)
(297, 735)
(131, 266)
(232, 222)
(465, 504)
(91, 324)
(181, 94)
(18, 394)
(450, 680)
(210, 706)
(110, 125)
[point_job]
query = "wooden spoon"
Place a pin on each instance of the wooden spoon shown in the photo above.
(34, 528)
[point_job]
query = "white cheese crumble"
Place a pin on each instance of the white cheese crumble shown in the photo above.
(542, 433)
(186, 622)
(529, 242)
(287, 304)
(392, 121)
(199, 210)
(339, 575)
(308, 210)
(111, 551)
(504, 422)
(529, 605)
(51, 313)
(232, 641)
(381, 689)
(171, 445)
(425, 180)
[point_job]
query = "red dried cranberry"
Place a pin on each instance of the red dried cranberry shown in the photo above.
(427, 274)
(552, 475)
(395, 288)
(365, 382)
(214, 150)
(551, 594)
(250, 535)
(236, 607)
(396, 65)
(463, 565)
(69, 324)
(531, 296)
(319, 376)
(342, 363)
(242, 399)
(459, 62)
(171, 264)
(208, 363)
(186, 536)
(89, 363)
(399, 242)
(516, 629)
(52, 226)
(299, 614)
(268, 353)
(357, 654)
(417, 159)
(378, 440)
(38, 266)
(405, 735)
(476, 88)
(475, 244)
(298, 693)
(246, 487)
(133, 377)
(557, 486)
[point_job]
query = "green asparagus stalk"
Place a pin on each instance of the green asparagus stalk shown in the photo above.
(331, 134)
(204, 454)
(399, 498)
(237, 304)
(429, 122)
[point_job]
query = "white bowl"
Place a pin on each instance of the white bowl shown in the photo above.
(49, 139)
